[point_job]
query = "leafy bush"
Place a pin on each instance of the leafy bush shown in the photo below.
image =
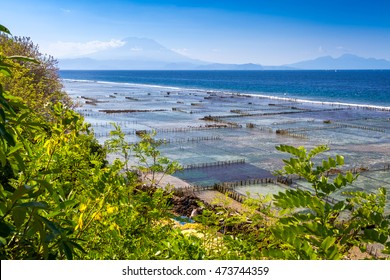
(38, 84)
(58, 196)
(309, 226)
(45, 163)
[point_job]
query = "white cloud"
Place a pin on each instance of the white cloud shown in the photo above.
(136, 49)
(65, 11)
(321, 49)
(343, 49)
(75, 49)
(182, 51)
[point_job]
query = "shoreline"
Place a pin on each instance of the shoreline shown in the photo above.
(258, 94)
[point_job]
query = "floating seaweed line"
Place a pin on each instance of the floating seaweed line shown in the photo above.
(297, 111)
(261, 128)
(344, 125)
(186, 129)
(110, 111)
(214, 164)
(285, 132)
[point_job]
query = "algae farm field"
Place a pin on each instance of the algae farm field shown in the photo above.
(227, 137)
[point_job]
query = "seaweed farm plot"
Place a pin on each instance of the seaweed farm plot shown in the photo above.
(223, 144)
(371, 181)
(219, 172)
(223, 137)
(261, 189)
(166, 121)
(197, 152)
(368, 181)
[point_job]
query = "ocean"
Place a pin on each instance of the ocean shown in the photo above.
(364, 87)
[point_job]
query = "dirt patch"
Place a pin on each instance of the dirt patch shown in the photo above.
(216, 198)
(183, 206)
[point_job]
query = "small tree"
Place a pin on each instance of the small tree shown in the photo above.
(150, 161)
(309, 226)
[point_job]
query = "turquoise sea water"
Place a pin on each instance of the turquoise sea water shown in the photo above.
(366, 87)
(174, 104)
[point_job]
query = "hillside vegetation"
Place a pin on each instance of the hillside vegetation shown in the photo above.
(61, 199)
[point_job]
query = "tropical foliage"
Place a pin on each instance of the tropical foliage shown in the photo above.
(314, 228)
(38, 84)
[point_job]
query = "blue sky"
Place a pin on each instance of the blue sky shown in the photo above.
(268, 32)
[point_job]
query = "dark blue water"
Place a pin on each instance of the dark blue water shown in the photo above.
(370, 87)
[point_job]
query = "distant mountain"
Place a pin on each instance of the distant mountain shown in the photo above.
(135, 53)
(123, 64)
(212, 66)
(146, 54)
(220, 66)
(346, 61)
(113, 64)
(142, 49)
(283, 67)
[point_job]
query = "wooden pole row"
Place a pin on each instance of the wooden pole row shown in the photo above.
(343, 125)
(214, 164)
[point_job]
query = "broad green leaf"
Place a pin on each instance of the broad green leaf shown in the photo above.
(382, 191)
(5, 229)
(76, 245)
(325, 165)
(20, 191)
(19, 216)
(2, 114)
(5, 71)
(15, 149)
(6, 135)
(334, 254)
(52, 226)
(3, 241)
(298, 152)
(339, 181)
(340, 160)
(317, 150)
(4, 29)
(292, 199)
(332, 162)
(23, 58)
(339, 206)
(20, 161)
(327, 243)
(54, 214)
(3, 156)
(68, 203)
(350, 178)
(4, 103)
(34, 204)
(67, 250)
(4, 64)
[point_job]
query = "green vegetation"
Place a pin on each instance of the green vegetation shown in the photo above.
(313, 228)
(61, 199)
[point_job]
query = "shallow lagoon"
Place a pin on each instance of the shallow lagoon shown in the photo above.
(240, 127)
